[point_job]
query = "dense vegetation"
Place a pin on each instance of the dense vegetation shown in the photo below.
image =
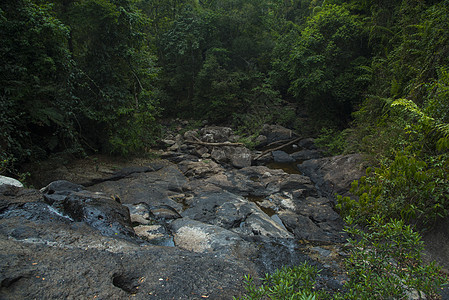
(373, 76)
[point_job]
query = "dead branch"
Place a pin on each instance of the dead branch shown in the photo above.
(215, 144)
(278, 147)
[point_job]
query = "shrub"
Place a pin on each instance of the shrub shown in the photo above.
(286, 283)
(385, 263)
(407, 188)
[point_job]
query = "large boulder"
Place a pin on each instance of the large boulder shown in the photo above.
(334, 174)
(260, 181)
(153, 188)
(282, 156)
(200, 169)
(276, 133)
(215, 134)
(238, 157)
(234, 213)
(199, 237)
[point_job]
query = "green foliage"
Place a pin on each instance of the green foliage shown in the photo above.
(36, 112)
(385, 263)
(413, 184)
(286, 283)
(334, 142)
(110, 46)
(324, 64)
(406, 188)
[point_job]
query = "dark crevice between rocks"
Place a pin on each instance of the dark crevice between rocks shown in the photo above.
(124, 173)
(8, 282)
(126, 283)
(257, 200)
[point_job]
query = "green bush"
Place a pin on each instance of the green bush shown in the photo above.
(333, 141)
(286, 283)
(407, 188)
(385, 263)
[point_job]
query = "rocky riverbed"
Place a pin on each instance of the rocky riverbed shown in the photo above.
(188, 225)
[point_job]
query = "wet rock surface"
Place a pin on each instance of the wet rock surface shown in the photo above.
(186, 227)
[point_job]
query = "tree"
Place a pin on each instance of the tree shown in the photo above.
(325, 64)
(35, 74)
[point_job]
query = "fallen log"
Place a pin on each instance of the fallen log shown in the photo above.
(215, 144)
(278, 147)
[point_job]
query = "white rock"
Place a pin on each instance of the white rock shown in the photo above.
(10, 181)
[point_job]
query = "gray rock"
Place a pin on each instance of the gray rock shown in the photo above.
(155, 235)
(99, 212)
(235, 213)
(282, 157)
(152, 188)
(314, 220)
(200, 169)
(261, 140)
(61, 186)
(215, 134)
(69, 263)
(306, 155)
(10, 181)
(199, 237)
(240, 157)
(334, 174)
(191, 135)
(260, 181)
(140, 213)
(276, 133)
(164, 212)
(308, 143)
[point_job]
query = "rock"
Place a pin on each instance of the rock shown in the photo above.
(306, 155)
(334, 174)
(164, 212)
(282, 201)
(276, 133)
(51, 256)
(152, 188)
(204, 206)
(235, 213)
(155, 235)
(10, 181)
(63, 186)
(314, 220)
(261, 140)
(140, 213)
(200, 169)
(201, 151)
(260, 181)
(258, 223)
(295, 182)
(199, 237)
(37, 270)
(215, 134)
(282, 157)
(308, 143)
(321, 251)
(218, 154)
(168, 142)
(240, 157)
(99, 212)
(191, 135)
